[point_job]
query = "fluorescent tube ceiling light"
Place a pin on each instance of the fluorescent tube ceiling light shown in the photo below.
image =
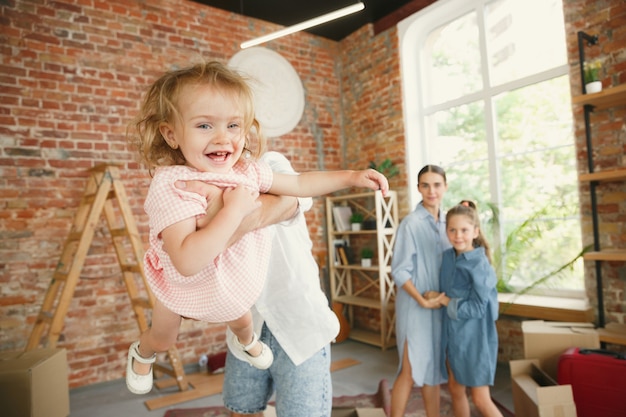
(305, 25)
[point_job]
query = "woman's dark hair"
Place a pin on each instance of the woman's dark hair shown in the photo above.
(468, 208)
(432, 168)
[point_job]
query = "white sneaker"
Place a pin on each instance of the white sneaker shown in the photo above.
(138, 384)
(263, 360)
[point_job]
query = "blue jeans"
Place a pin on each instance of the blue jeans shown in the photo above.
(301, 391)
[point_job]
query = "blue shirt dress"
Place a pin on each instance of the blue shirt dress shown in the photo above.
(470, 339)
(419, 244)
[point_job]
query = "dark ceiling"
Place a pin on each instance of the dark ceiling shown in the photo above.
(290, 12)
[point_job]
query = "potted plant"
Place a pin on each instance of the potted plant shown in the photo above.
(387, 168)
(356, 219)
(366, 257)
(591, 74)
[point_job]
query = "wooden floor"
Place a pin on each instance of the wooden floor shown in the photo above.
(113, 399)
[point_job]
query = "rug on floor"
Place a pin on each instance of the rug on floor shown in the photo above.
(380, 399)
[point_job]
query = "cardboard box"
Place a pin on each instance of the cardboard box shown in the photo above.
(34, 383)
(536, 394)
(547, 340)
(340, 412)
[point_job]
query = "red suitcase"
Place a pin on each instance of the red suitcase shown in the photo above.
(598, 380)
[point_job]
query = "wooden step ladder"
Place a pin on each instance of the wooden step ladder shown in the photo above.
(104, 187)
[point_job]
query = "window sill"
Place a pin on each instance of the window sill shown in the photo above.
(546, 308)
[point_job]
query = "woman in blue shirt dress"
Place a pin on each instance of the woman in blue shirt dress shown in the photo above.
(415, 265)
(469, 339)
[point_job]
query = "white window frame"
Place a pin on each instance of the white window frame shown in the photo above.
(413, 33)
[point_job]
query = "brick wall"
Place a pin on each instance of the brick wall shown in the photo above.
(606, 19)
(371, 96)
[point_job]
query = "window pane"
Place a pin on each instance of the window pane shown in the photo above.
(459, 145)
(524, 38)
(558, 236)
(512, 152)
(452, 59)
(535, 146)
(538, 181)
(539, 191)
(534, 118)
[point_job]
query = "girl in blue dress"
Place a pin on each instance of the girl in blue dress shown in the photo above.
(469, 338)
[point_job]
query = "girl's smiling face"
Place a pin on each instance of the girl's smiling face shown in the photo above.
(461, 233)
(209, 130)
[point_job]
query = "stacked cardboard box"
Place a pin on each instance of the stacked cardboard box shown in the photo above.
(34, 383)
(535, 392)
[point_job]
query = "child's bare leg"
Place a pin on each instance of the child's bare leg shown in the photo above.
(481, 397)
(432, 402)
(458, 393)
(159, 337)
(244, 330)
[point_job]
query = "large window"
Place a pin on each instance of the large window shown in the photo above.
(487, 97)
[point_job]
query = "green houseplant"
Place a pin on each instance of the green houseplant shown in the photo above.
(356, 219)
(366, 256)
(387, 168)
(591, 75)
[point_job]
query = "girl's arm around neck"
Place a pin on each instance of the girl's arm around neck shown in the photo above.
(317, 183)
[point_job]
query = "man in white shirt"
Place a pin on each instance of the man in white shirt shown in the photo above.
(293, 318)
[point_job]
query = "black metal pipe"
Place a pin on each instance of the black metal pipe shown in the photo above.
(591, 40)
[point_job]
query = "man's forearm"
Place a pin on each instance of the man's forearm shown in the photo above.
(274, 209)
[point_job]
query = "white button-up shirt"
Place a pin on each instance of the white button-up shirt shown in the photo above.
(292, 304)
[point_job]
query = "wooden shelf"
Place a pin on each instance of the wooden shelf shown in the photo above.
(357, 286)
(372, 268)
(546, 308)
(371, 338)
(606, 255)
(604, 176)
(386, 231)
(610, 97)
(359, 301)
(613, 333)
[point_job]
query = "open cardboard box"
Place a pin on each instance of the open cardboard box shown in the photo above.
(536, 394)
(547, 340)
(34, 383)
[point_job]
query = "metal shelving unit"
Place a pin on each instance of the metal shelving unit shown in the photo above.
(607, 98)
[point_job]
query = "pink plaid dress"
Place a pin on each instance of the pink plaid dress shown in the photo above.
(231, 283)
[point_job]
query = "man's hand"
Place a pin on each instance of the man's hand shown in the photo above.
(274, 209)
(370, 178)
(213, 195)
